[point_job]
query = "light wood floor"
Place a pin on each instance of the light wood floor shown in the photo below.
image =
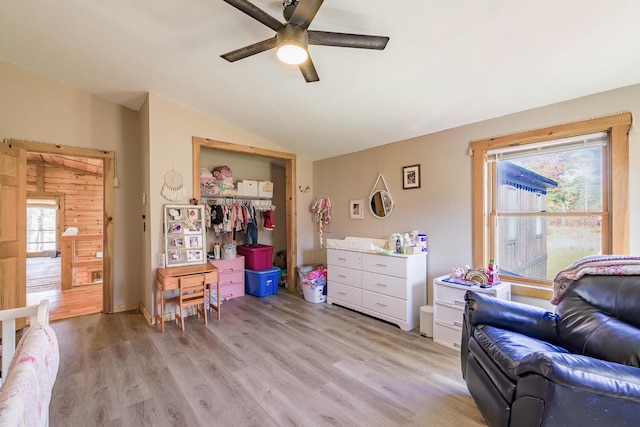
(270, 361)
(43, 282)
(43, 274)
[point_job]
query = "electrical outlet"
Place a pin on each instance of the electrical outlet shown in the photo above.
(98, 254)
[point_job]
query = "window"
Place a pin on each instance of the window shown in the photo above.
(544, 199)
(41, 225)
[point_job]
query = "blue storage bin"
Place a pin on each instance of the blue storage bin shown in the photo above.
(261, 283)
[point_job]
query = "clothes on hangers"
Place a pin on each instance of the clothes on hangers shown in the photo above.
(321, 209)
(269, 219)
(230, 215)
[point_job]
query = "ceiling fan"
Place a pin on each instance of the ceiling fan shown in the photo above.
(293, 37)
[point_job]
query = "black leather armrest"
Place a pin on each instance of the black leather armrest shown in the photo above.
(584, 373)
(481, 309)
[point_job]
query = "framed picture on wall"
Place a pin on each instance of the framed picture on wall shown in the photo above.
(185, 237)
(356, 209)
(411, 177)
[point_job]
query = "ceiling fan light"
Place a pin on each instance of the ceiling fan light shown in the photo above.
(292, 53)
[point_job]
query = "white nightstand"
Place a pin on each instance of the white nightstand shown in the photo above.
(448, 308)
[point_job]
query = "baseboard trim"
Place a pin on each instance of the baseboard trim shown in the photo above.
(125, 307)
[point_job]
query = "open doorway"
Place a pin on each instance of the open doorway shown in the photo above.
(43, 256)
(65, 199)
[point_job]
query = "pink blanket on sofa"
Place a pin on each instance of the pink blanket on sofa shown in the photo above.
(595, 265)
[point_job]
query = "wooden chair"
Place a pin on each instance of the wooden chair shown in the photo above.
(192, 291)
(215, 306)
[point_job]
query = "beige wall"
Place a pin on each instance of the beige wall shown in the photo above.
(36, 108)
(442, 206)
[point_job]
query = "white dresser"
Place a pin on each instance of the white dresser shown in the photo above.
(448, 308)
(389, 287)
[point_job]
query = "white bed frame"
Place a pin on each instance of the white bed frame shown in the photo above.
(38, 315)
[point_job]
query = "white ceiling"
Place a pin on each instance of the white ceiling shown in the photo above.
(448, 63)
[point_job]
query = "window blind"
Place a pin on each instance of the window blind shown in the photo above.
(598, 139)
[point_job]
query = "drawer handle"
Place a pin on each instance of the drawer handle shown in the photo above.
(457, 344)
(381, 265)
(342, 275)
(381, 305)
(458, 303)
(227, 283)
(381, 284)
(342, 293)
(342, 259)
(459, 324)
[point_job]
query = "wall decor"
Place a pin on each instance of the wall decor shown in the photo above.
(172, 188)
(411, 177)
(380, 201)
(184, 233)
(355, 209)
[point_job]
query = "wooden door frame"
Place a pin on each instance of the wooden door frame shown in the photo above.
(108, 158)
(290, 188)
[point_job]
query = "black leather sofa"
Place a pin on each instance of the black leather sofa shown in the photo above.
(525, 366)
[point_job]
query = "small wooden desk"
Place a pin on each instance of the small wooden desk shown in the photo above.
(168, 278)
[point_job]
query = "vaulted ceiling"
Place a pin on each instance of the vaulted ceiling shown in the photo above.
(446, 64)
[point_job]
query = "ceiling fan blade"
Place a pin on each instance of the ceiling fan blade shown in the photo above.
(252, 49)
(309, 71)
(304, 13)
(361, 41)
(256, 13)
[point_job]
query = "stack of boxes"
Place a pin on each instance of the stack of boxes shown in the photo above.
(261, 277)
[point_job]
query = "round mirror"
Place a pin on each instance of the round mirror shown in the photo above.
(381, 204)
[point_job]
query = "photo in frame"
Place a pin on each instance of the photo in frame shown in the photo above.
(193, 213)
(174, 256)
(356, 209)
(194, 256)
(411, 177)
(176, 242)
(194, 241)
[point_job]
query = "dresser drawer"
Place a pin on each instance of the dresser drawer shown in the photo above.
(448, 314)
(448, 295)
(447, 335)
(384, 304)
(343, 258)
(232, 290)
(347, 276)
(234, 278)
(392, 286)
(388, 265)
(229, 265)
(344, 293)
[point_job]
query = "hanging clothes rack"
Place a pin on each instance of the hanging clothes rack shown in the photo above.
(259, 203)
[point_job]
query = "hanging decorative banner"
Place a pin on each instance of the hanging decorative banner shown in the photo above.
(172, 188)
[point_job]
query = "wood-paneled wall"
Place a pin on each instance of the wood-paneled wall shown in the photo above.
(82, 207)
